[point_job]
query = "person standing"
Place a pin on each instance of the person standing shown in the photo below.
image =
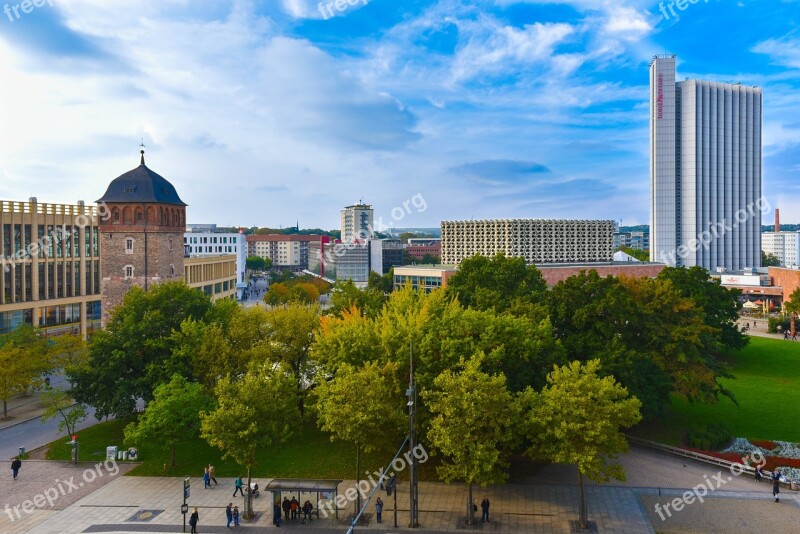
(776, 485)
(294, 506)
(379, 508)
(286, 507)
(235, 516)
(193, 519)
(229, 514)
(212, 473)
(759, 473)
(238, 485)
(276, 514)
(16, 463)
(206, 479)
(485, 510)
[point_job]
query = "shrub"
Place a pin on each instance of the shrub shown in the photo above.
(775, 322)
(709, 437)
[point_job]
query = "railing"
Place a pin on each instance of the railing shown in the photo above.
(700, 457)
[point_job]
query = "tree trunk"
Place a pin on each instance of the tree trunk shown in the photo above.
(248, 498)
(5, 409)
(582, 519)
(172, 456)
(471, 511)
(358, 478)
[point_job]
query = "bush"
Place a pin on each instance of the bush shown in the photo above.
(775, 322)
(709, 437)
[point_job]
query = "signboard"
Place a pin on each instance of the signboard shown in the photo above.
(184, 509)
(660, 98)
(111, 452)
(740, 280)
(186, 489)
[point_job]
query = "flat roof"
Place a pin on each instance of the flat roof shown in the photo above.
(300, 484)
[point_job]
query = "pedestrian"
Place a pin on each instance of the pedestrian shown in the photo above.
(235, 516)
(16, 463)
(206, 479)
(229, 514)
(485, 510)
(193, 519)
(759, 473)
(307, 508)
(212, 473)
(287, 506)
(776, 485)
(379, 508)
(276, 514)
(238, 487)
(294, 506)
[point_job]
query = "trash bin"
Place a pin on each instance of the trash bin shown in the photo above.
(21, 451)
(793, 485)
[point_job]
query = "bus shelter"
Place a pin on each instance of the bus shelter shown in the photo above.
(321, 492)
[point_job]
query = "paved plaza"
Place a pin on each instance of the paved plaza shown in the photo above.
(545, 503)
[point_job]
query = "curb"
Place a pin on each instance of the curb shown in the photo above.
(30, 419)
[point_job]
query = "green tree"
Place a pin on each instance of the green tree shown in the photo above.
(256, 411)
(499, 283)
(57, 403)
(576, 419)
(133, 355)
(171, 417)
(769, 260)
(474, 426)
(278, 293)
(383, 283)
(25, 357)
(364, 406)
(257, 263)
(793, 304)
(345, 295)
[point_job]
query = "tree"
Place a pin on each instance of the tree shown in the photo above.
(345, 295)
(499, 283)
(56, 403)
(257, 263)
(473, 426)
(278, 293)
(383, 283)
(793, 304)
(576, 419)
(364, 406)
(25, 357)
(133, 355)
(253, 412)
(769, 260)
(171, 417)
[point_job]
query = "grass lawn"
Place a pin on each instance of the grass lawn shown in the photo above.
(309, 454)
(767, 387)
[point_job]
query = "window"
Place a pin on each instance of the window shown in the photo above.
(129, 245)
(128, 271)
(172, 270)
(170, 243)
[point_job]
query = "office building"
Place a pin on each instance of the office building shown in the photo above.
(384, 254)
(538, 241)
(357, 222)
(287, 252)
(705, 171)
(205, 240)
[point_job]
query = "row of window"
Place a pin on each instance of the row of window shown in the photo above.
(51, 241)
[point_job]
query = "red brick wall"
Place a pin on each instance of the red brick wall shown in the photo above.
(554, 275)
(789, 279)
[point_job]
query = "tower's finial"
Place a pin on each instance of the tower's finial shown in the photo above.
(142, 152)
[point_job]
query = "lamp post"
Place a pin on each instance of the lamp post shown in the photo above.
(411, 393)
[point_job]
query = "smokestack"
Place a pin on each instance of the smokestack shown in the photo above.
(777, 220)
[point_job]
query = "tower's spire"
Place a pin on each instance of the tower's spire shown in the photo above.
(142, 152)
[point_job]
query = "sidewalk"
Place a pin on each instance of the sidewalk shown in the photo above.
(22, 408)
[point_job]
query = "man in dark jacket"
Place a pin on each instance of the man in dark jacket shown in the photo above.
(485, 510)
(15, 465)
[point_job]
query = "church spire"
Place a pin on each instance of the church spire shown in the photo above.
(142, 152)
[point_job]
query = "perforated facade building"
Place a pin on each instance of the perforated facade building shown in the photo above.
(536, 240)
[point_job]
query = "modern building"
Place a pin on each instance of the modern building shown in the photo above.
(634, 240)
(705, 171)
(50, 266)
(419, 248)
(216, 276)
(287, 252)
(205, 240)
(783, 245)
(357, 222)
(384, 254)
(348, 261)
(538, 241)
(426, 277)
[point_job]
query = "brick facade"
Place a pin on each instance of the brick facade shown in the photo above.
(554, 275)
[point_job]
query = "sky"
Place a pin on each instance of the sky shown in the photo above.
(279, 112)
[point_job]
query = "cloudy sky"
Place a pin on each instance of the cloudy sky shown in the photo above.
(268, 112)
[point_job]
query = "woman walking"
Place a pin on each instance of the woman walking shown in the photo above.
(195, 517)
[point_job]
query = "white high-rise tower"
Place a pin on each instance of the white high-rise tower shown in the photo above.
(705, 171)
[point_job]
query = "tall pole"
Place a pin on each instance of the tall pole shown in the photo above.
(412, 438)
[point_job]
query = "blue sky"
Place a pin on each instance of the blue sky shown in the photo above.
(268, 112)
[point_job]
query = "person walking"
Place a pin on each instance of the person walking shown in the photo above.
(485, 510)
(229, 514)
(206, 479)
(276, 514)
(759, 473)
(776, 485)
(379, 508)
(238, 486)
(212, 473)
(287, 506)
(16, 463)
(235, 516)
(193, 519)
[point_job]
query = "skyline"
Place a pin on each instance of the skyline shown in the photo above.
(489, 109)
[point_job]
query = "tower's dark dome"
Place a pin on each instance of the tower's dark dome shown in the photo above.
(142, 185)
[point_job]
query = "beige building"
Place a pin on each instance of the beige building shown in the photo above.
(536, 240)
(285, 251)
(357, 222)
(213, 275)
(50, 266)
